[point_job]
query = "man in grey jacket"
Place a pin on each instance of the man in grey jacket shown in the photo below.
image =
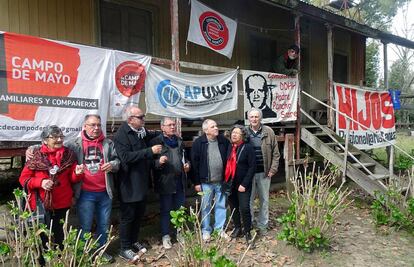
(266, 149)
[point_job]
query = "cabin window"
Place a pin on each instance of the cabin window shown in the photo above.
(262, 53)
(127, 28)
(340, 68)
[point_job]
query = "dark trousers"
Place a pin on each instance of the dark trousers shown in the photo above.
(240, 203)
(169, 202)
(131, 217)
(54, 217)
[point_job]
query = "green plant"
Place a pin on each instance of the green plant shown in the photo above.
(314, 206)
(24, 246)
(393, 209)
(192, 250)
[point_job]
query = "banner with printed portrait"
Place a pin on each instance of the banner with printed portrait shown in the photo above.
(128, 80)
(170, 93)
(372, 110)
(276, 95)
(45, 82)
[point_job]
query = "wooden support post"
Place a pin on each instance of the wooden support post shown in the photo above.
(348, 124)
(289, 161)
(298, 118)
(330, 113)
(175, 46)
(390, 148)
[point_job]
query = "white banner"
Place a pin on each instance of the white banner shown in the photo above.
(211, 29)
(44, 82)
(276, 95)
(372, 109)
(129, 78)
(170, 93)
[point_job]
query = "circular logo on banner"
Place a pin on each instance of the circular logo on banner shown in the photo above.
(214, 30)
(168, 94)
(130, 77)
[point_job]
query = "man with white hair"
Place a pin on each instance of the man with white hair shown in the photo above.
(208, 159)
(132, 145)
(266, 149)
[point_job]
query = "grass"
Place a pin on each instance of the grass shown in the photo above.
(404, 141)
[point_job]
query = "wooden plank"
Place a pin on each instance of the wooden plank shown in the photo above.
(4, 15)
(14, 16)
(69, 23)
(43, 18)
(24, 16)
(86, 22)
(34, 17)
(77, 17)
(52, 19)
(61, 25)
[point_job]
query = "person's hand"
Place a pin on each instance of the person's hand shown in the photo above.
(29, 153)
(106, 167)
(47, 184)
(241, 189)
(79, 169)
(270, 174)
(163, 159)
(156, 149)
(197, 188)
(186, 167)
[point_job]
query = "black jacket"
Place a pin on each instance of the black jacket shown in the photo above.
(165, 176)
(136, 159)
(199, 157)
(245, 165)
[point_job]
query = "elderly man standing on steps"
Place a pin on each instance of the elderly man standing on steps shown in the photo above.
(266, 149)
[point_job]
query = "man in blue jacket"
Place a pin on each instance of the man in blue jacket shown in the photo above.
(208, 158)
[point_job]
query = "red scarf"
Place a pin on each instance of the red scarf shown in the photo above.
(231, 163)
(53, 155)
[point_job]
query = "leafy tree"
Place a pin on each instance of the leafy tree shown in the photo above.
(372, 64)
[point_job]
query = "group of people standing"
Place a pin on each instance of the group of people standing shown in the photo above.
(232, 170)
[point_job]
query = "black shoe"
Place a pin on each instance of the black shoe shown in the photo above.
(237, 232)
(129, 255)
(249, 240)
(139, 247)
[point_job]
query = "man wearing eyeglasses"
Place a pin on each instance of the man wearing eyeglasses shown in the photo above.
(95, 192)
(132, 146)
(170, 168)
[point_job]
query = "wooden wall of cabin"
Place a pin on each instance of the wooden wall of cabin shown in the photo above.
(69, 20)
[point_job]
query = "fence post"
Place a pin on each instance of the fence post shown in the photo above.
(348, 123)
(289, 161)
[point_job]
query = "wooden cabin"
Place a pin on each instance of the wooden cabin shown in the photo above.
(332, 46)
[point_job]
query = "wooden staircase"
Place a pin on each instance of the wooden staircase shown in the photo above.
(360, 167)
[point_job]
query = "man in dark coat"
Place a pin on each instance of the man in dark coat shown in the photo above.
(131, 143)
(288, 62)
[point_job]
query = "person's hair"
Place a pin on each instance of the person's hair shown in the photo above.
(245, 136)
(163, 119)
(91, 115)
(127, 112)
(51, 130)
(294, 47)
(204, 126)
(257, 110)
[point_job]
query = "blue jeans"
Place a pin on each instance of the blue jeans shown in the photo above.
(169, 202)
(91, 203)
(210, 191)
(261, 187)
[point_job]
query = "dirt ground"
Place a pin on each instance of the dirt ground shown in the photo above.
(357, 243)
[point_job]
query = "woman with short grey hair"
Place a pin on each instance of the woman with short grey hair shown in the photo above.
(48, 178)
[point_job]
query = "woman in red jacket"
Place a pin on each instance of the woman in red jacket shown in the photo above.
(48, 179)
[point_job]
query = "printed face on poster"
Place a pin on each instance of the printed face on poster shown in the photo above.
(274, 94)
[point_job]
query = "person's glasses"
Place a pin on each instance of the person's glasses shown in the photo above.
(170, 125)
(57, 137)
(139, 117)
(94, 125)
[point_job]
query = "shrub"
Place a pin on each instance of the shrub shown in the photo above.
(314, 206)
(24, 247)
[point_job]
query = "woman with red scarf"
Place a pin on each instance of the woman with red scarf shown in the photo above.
(48, 179)
(240, 168)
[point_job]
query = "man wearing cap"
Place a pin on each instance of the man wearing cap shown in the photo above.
(288, 62)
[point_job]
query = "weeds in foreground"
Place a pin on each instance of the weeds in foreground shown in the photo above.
(314, 207)
(24, 247)
(192, 249)
(393, 209)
